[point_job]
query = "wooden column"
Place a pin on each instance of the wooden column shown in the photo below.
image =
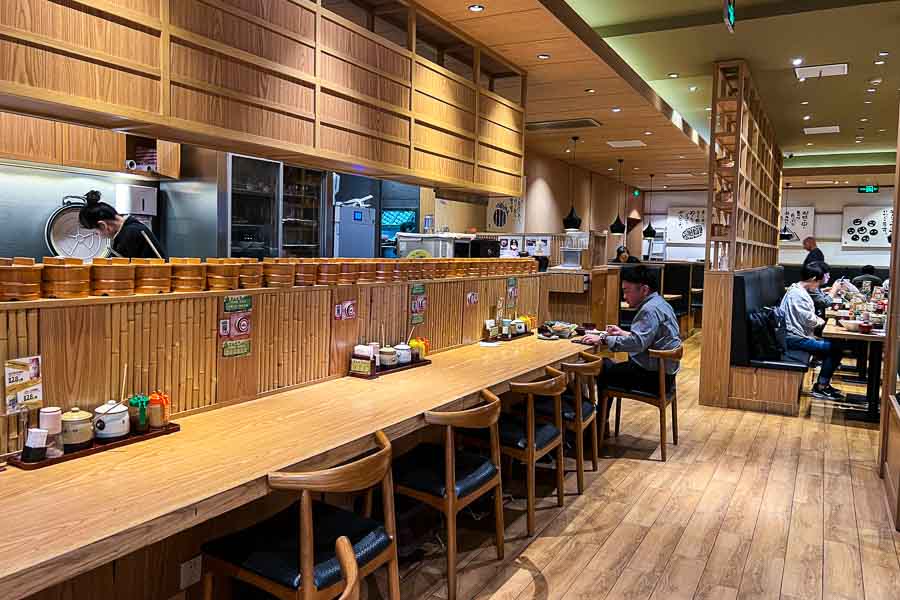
(715, 361)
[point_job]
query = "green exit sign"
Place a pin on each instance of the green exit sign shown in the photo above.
(729, 15)
(636, 193)
(867, 189)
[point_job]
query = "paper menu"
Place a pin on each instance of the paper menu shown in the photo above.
(23, 388)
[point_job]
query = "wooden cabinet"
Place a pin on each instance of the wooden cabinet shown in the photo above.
(168, 159)
(90, 148)
(27, 138)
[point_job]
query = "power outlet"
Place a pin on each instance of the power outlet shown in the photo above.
(190, 572)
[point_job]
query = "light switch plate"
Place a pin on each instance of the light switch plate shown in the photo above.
(190, 572)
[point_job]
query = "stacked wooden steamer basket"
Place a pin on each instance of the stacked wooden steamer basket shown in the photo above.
(21, 279)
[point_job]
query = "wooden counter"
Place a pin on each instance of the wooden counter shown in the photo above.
(64, 520)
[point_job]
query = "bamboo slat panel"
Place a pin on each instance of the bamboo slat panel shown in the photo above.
(573, 308)
(18, 338)
(529, 302)
(572, 283)
(443, 315)
(387, 305)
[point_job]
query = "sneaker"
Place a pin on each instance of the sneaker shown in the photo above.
(827, 392)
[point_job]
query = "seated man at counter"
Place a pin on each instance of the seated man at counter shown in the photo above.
(655, 327)
(801, 322)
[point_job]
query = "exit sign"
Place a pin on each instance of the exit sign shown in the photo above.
(867, 189)
(728, 15)
(636, 193)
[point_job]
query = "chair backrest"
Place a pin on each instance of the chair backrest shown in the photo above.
(697, 275)
(591, 367)
(349, 568)
(662, 356)
(753, 289)
(678, 281)
(554, 385)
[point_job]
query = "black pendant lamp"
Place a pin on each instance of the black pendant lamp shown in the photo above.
(649, 232)
(786, 235)
(618, 226)
(572, 220)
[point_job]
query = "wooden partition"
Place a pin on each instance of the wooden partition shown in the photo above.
(283, 79)
(170, 341)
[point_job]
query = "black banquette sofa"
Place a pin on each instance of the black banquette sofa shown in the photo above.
(792, 272)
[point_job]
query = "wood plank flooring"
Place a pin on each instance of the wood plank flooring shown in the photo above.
(748, 507)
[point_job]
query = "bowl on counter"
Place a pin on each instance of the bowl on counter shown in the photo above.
(851, 325)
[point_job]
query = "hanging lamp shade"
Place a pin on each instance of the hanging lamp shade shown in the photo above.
(618, 226)
(572, 220)
(649, 233)
(786, 235)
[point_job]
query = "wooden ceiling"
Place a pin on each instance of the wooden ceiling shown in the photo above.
(519, 30)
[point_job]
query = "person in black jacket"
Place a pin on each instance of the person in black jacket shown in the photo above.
(814, 253)
(623, 256)
(130, 238)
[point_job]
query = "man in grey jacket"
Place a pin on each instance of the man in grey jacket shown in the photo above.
(655, 327)
(801, 321)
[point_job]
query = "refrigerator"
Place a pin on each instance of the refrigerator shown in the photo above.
(230, 205)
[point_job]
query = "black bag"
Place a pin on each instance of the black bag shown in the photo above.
(768, 333)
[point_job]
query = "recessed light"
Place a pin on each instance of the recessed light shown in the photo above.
(568, 150)
(682, 157)
(859, 141)
(807, 143)
(871, 90)
(882, 130)
(846, 182)
(616, 109)
(590, 91)
(807, 117)
(879, 62)
(867, 102)
(864, 120)
(609, 169)
(672, 75)
(876, 80)
(796, 61)
(802, 79)
(648, 133)
(692, 88)
(543, 56)
(805, 103)
(708, 109)
(883, 53)
(665, 187)
(637, 169)
(476, 8)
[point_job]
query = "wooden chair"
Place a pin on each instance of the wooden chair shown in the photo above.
(579, 414)
(522, 441)
(349, 568)
(449, 480)
(292, 555)
(660, 399)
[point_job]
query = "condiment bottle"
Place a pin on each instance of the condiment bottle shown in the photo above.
(159, 410)
(137, 411)
(50, 419)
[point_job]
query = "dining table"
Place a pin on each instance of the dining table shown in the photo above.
(875, 344)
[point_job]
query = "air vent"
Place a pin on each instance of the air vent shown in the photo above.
(627, 144)
(821, 130)
(820, 182)
(560, 125)
(820, 71)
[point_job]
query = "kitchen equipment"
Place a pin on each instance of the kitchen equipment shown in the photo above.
(222, 273)
(112, 277)
(303, 212)
(387, 357)
(77, 430)
(65, 236)
(152, 276)
(188, 274)
(354, 231)
(476, 248)
(65, 278)
(20, 279)
(137, 201)
(404, 354)
(111, 422)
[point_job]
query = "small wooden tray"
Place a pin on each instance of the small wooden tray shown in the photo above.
(97, 447)
(514, 337)
(386, 370)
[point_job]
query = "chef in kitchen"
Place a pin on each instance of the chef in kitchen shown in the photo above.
(129, 237)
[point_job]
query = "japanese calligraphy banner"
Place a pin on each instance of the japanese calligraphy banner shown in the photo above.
(800, 221)
(686, 225)
(867, 226)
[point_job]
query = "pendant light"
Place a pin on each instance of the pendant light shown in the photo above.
(572, 220)
(618, 226)
(786, 235)
(650, 233)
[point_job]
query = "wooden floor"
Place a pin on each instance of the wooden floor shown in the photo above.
(748, 506)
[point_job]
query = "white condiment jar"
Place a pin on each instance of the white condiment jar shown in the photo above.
(77, 429)
(404, 354)
(111, 422)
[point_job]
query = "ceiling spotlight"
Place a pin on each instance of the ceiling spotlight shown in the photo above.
(692, 88)
(846, 182)
(807, 143)
(568, 150)
(871, 90)
(616, 109)
(708, 109)
(879, 62)
(637, 169)
(805, 103)
(672, 75)
(883, 53)
(609, 169)
(590, 91)
(682, 157)
(864, 120)
(476, 8)
(882, 130)
(796, 61)
(543, 56)
(665, 187)
(802, 79)
(876, 80)
(648, 133)
(807, 117)
(867, 102)
(859, 141)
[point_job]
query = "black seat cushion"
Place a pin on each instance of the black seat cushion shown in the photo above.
(543, 406)
(423, 469)
(616, 390)
(781, 365)
(512, 432)
(271, 548)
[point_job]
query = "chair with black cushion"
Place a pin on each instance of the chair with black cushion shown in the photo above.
(698, 272)
(292, 554)
(660, 398)
(578, 412)
(678, 282)
(349, 569)
(450, 480)
(524, 440)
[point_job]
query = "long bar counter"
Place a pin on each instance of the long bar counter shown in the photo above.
(63, 520)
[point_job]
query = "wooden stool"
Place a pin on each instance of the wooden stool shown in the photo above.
(660, 399)
(449, 481)
(523, 441)
(279, 554)
(578, 414)
(344, 550)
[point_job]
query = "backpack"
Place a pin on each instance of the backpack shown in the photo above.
(768, 333)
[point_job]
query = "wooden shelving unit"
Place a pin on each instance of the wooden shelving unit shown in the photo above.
(744, 205)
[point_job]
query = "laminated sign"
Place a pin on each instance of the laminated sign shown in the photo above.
(345, 311)
(23, 385)
(238, 303)
(418, 302)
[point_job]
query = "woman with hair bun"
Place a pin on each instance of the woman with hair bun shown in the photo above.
(130, 238)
